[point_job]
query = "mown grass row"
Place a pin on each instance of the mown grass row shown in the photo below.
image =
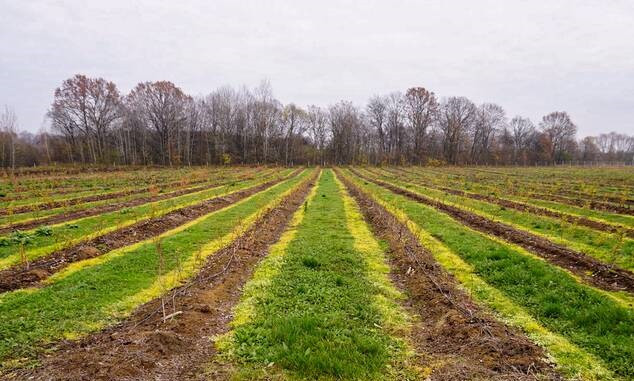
(93, 293)
(613, 249)
(320, 306)
(15, 248)
(590, 335)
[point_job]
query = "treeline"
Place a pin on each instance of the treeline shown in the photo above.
(91, 122)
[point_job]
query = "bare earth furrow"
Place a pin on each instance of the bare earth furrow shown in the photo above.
(591, 270)
(144, 346)
(73, 215)
(522, 207)
(455, 331)
(19, 277)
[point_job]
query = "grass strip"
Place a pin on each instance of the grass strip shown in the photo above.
(610, 248)
(102, 187)
(93, 294)
(320, 306)
(21, 218)
(578, 314)
(70, 233)
(514, 192)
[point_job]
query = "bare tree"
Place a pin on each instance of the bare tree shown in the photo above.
(293, 118)
(318, 126)
(395, 124)
(86, 108)
(456, 118)
(9, 130)
(345, 124)
(162, 106)
(421, 108)
(561, 131)
(377, 115)
(522, 130)
(489, 119)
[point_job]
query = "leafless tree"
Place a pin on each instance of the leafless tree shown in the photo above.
(293, 120)
(456, 118)
(318, 126)
(421, 108)
(377, 115)
(489, 119)
(162, 106)
(86, 108)
(522, 131)
(561, 131)
(9, 131)
(345, 124)
(157, 123)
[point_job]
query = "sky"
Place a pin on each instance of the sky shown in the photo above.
(531, 57)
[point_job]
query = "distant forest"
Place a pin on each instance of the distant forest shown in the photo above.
(91, 122)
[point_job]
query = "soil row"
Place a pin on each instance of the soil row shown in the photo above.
(450, 327)
(626, 208)
(20, 276)
(538, 184)
(66, 190)
(591, 270)
(145, 346)
(91, 198)
(73, 215)
(522, 207)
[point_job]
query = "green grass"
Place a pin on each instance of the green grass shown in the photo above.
(46, 190)
(311, 310)
(606, 247)
(504, 191)
(71, 232)
(6, 220)
(583, 315)
(86, 298)
(514, 191)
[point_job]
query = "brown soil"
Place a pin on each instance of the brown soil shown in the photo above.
(144, 346)
(450, 332)
(73, 215)
(591, 270)
(18, 276)
(597, 225)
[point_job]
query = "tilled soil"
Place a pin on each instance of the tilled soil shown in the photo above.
(593, 224)
(451, 333)
(73, 215)
(18, 276)
(591, 270)
(144, 346)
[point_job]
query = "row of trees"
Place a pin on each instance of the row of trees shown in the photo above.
(157, 123)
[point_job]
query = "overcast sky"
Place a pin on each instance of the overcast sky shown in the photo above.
(531, 57)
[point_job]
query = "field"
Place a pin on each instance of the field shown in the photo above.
(355, 273)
